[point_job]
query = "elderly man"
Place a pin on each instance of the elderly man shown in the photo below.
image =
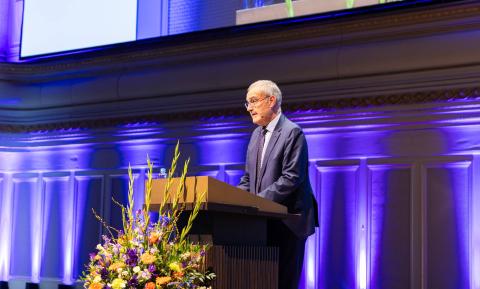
(277, 169)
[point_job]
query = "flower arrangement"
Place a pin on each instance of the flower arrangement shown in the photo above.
(150, 255)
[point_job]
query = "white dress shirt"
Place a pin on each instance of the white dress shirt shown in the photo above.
(270, 127)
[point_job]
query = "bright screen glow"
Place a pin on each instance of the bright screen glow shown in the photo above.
(56, 26)
(51, 26)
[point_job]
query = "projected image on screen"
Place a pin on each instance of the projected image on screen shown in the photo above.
(264, 10)
(54, 26)
(167, 17)
(51, 26)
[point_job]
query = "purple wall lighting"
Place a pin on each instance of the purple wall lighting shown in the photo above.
(4, 14)
(310, 263)
(361, 227)
(5, 225)
(387, 219)
(10, 24)
(335, 191)
(475, 225)
(68, 211)
(36, 226)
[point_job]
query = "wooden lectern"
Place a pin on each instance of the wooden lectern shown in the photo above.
(234, 222)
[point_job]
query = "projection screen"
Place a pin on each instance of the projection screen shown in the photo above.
(51, 26)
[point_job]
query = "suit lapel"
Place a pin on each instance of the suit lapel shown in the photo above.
(253, 161)
(271, 144)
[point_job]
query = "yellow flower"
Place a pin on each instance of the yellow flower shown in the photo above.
(118, 283)
(162, 280)
(147, 258)
(95, 286)
(116, 265)
(121, 240)
(174, 266)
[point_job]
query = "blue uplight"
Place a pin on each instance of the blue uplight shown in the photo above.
(6, 213)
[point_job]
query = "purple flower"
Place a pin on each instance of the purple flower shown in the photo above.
(164, 220)
(152, 268)
(104, 273)
(133, 282)
(92, 256)
(132, 257)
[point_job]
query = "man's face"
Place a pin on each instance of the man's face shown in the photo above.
(260, 107)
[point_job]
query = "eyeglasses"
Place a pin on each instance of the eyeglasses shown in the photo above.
(253, 102)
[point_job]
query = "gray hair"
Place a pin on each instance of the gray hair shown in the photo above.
(268, 87)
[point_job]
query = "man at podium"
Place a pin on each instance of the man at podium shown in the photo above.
(277, 169)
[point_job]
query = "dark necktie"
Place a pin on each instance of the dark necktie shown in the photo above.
(259, 155)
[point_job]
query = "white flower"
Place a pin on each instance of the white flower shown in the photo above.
(145, 274)
(119, 270)
(97, 279)
(99, 247)
(136, 269)
(185, 256)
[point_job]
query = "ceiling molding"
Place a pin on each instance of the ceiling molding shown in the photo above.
(293, 107)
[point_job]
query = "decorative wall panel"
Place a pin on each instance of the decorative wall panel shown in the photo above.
(391, 213)
(57, 225)
(2, 181)
(447, 212)
(337, 189)
(5, 225)
(89, 194)
(118, 188)
(27, 233)
(232, 177)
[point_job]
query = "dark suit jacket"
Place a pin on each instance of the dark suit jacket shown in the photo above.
(284, 175)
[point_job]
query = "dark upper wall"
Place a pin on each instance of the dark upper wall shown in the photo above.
(393, 52)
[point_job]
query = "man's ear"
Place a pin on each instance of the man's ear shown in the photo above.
(273, 101)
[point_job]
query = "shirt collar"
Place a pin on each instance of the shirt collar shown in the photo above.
(271, 126)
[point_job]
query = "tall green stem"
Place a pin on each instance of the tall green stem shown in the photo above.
(289, 8)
